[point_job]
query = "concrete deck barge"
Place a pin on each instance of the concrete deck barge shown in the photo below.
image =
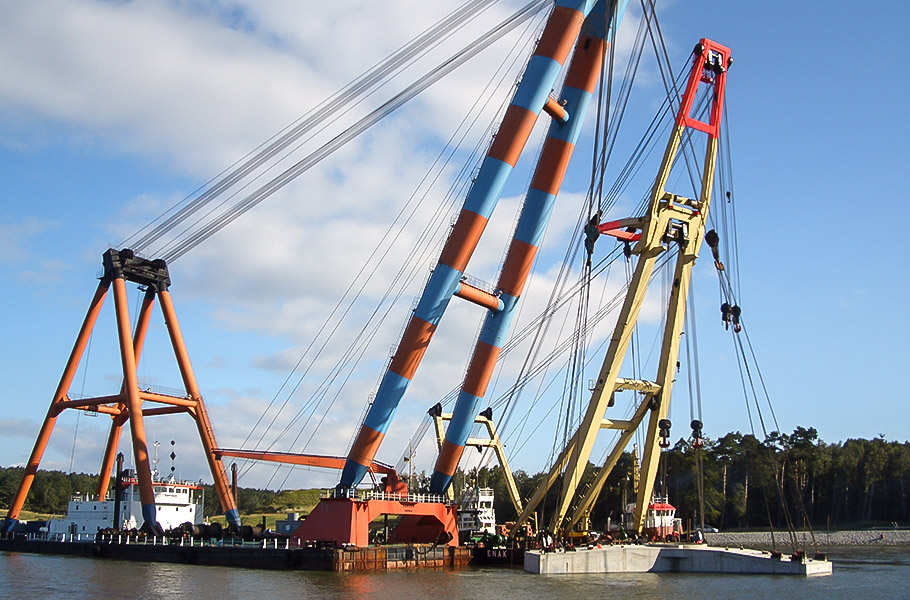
(670, 559)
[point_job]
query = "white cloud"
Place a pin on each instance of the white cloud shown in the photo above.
(191, 87)
(16, 237)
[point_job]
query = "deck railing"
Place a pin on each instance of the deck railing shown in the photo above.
(157, 540)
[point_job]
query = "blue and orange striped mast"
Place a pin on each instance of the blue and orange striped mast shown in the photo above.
(531, 96)
(581, 80)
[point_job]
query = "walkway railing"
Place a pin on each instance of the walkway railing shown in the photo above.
(364, 495)
(156, 540)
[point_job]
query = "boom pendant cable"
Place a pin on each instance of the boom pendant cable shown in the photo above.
(406, 273)
(357, 90)
(208, 224)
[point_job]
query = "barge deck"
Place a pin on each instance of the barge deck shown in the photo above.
(270, 554)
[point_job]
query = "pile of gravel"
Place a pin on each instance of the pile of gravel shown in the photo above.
(762, 539)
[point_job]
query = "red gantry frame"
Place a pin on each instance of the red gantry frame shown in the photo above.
(127, 406)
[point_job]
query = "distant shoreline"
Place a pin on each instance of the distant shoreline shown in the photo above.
(762, 539)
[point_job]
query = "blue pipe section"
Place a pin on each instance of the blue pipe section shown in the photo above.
(535, 214)
(439, 480)
(9, 525)
(530, 231)
(487, 186)
(150, 514)
(233, 517)
(352, 474)
(393, 386)
(539, 67)
(485, 192)
(442, 285)
(496, 325)
(583, 7)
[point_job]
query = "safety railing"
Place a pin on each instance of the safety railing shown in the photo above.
(157, 540)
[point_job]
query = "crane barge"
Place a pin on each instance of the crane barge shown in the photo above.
(577, 33)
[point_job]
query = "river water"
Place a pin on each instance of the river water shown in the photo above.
(880, 573)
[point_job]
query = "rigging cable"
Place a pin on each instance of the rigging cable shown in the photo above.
(748, 379)
(357, 90)
(415, 256)
(177, 249)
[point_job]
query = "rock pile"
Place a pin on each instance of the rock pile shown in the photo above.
(762, 539)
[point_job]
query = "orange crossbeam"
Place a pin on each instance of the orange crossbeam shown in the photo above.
(615, 229)
(477, 296)
(293, 458)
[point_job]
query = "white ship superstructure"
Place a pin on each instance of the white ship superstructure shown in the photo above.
(176, 502)
(476, 513)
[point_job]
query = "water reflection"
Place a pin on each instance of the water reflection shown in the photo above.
(878, 573)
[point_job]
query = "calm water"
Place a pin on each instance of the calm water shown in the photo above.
(866, 573)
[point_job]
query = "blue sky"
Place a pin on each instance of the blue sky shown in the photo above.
(111, 111)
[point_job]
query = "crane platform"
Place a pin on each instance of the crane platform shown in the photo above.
(677, 558)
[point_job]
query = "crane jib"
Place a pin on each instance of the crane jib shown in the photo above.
(566, 23)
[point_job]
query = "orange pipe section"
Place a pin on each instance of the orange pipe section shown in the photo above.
(206, 433)
(103, 409)
(365, 446)
(65, 381)
(517, 268)
(551, 168)
(309, 460)
(463, 239)
(113, 438)
(448, 459)
(483, 362)
(477, 296)
(513, 133)
(589, 63)
(167, 399)
(142, 323)
(555, 110)
(88, 403)
(560, 34)
(122, 398)
(81, 341)
(413, 345)
(131, 388)
(165, 410)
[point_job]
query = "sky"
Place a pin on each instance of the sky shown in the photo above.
(113, 111)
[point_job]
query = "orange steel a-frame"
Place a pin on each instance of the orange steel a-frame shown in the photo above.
(127, 406)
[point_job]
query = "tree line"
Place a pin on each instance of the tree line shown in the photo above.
(747, 483)
(52, 490)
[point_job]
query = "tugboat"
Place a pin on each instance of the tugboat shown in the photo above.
(491, 542)
(476, 515)
(661, 524)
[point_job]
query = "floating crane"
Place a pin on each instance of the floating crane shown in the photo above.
(670, 220)
(576, 28)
